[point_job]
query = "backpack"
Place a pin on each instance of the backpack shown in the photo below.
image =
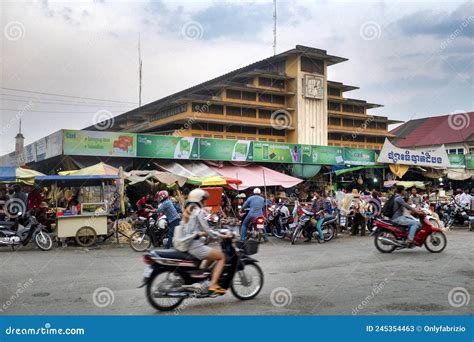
(388, 208)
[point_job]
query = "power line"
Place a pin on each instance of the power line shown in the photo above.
(47, 111)
(67, 103)
(69, 96)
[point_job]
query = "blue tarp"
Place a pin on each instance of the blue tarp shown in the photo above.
(56, 178)
(7, 174)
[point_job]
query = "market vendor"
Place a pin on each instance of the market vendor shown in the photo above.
(35, 197)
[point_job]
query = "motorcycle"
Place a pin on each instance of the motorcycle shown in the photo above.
(172, 276)
(389, 236)
(153, 230)
(13, 234)
(454, 213)
(256, 227)
(306, 218)
(279, 221)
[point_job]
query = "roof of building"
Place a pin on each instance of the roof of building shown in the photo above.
(446, 129)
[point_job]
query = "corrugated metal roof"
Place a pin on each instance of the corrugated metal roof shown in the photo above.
(447, 129)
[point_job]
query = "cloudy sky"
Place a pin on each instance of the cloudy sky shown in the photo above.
(415, 58)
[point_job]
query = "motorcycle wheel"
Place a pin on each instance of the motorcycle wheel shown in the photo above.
(163, 283)
(328, 232)
(248, 282)
(434, 223)
(140, 241)
(275, 233)
(296, 235)
(382, 247)
(436, 242)
(43, 241)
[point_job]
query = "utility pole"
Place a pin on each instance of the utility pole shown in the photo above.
(274, 27)
(139, 73)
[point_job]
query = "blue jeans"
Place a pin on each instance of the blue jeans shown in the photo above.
(319, 229)
(171, 226)
(245, 224)
(409, 221)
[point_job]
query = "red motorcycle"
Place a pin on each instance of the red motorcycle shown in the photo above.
(256, 226)
(390, 236)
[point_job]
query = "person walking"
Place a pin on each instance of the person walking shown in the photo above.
(359, 219)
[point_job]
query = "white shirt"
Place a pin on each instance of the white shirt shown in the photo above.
(465, 199)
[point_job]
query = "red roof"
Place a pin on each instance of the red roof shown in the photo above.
(446, 129)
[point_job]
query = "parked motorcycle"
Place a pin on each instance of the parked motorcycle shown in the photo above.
(153, 230)
(328, 227)
(255, 228)
(389, 236)
(13, 234)
(454, 213)
(172, 276)
(279, 221)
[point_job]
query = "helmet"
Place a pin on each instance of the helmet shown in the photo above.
(198, 196)
(257, 191)
(163, 195)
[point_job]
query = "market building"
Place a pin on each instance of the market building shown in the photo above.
(285, 98)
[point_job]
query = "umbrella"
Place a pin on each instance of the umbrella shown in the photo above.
(100, 169)
(12, 174)
(212, 180)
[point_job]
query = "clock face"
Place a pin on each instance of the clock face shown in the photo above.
(314, 87)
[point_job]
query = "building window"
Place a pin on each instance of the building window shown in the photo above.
(334, 92)
(265, 131)
(348, 122)
(382, 125)
(335, 121)
(278, 99)
(249, 112)
(249, 96)
(359, 109)
(347, 108)
(271, 83)
(312, 65)
(170, 112)
(204, 108)
(265, 98)
(278, 67)
(235, 111)
(334, 106)
(268, 98)
(264, 114)
(250, 130)
(234, 94)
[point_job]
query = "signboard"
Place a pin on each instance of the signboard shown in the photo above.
(29, 153)
(322, 155)
(276, 152)
(359, 156)
(167, 146)
(431, 158)
(50, 146)
(219, 149)
(313, 86)
(457, 160)
(469, 159)
(98, 143)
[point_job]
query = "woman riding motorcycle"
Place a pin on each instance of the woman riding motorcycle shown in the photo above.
(194, 223)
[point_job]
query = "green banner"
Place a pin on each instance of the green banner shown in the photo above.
(220, 149)
(276, 152)
(167, 146)
(359, 156)
(457, 160)
(322, 155)
(98, 143)
(469, 159)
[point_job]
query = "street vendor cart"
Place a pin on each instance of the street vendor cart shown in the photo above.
(89, 219)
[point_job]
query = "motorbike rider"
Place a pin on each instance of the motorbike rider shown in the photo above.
(316, 206)
(194, 222)
(465, 198)
(167, 207)
(399, 216)
(416, 198)
(255, 203)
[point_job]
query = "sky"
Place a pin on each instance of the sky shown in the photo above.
(415, 58)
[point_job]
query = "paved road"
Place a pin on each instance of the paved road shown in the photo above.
(330, 279)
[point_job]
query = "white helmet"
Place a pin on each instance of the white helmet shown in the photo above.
(198, 196)
(257, 191)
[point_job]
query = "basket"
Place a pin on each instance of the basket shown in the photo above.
(248, 247)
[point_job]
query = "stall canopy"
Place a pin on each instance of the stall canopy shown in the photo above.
(213, 181)
(12, 174)
(76, 180)
(256, 175)
(188, 169)
(138, 176)
(100, 169)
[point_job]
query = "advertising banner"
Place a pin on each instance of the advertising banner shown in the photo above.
(322, 155)
(29, 153)
(457, 160)
(167, 146)
(98, 143)
(469, 159)
(276, 152)
(359, 156)
(391, 154)
(50, 146)
(220, 149)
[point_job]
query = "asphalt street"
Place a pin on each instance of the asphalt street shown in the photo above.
(346, 276)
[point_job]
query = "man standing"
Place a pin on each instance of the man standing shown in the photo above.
(465, 198)
(255, 203)
(398, 214)
(169, 210)
(416, 198)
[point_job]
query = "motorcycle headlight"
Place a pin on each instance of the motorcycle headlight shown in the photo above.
(162, 224)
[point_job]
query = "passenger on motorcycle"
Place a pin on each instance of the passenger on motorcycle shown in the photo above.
(399, 216)
(168, 208)
(317, 205)
(195, 223)
(255, 203)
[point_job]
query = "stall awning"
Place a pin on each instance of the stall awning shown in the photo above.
(138, 176)
(256, 175)
(76, 180)
(188, 169)
(100, 169)
(12, 174)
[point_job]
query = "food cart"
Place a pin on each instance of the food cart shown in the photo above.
(88, 220)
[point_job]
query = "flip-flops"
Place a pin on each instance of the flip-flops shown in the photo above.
(217, 290)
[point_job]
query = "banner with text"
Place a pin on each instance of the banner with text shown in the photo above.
(220, 149)
(322, 155)
(98, 143)
(167, 146)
